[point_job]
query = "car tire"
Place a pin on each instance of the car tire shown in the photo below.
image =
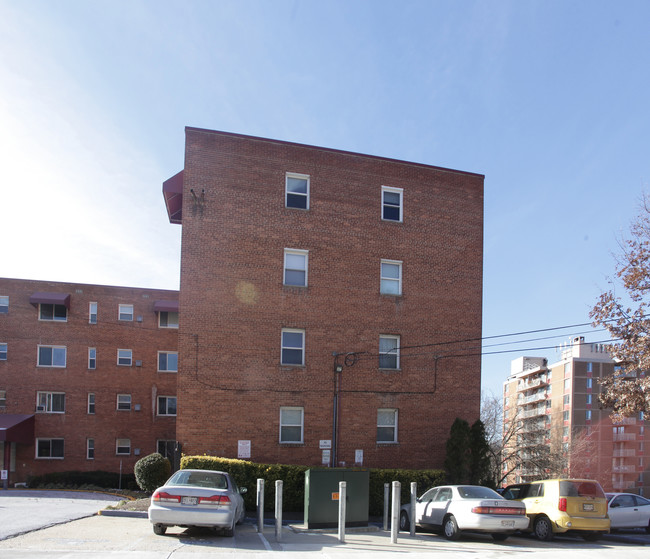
(450, 528)
(543, 529)
(647, 528)
(404, 524)
(159, 529)
(500, 536)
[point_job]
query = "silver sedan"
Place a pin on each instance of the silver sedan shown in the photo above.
(197, 498)
(627, 510)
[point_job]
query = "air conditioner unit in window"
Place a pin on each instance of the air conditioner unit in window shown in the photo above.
(40, 408)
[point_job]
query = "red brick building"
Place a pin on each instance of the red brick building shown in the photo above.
(87, 376)
(331, 302)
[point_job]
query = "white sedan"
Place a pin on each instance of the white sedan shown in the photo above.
(197, 498)
(454, 508)
(627, 510)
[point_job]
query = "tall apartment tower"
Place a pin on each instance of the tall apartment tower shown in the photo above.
(559, 428)
(326, 298)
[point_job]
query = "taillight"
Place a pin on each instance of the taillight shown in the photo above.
(164, 497)
(561, 506)
(215, 500)
(499, 510)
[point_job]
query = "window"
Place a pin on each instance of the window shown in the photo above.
(590, 367)
(589, 399)
(297, 191)
(49, 448)
(291, 425)
(166, 448)
(90, 449)
(4, 304)
(391, 277)
(293, 347)
(567, 399)
(391, 203)
(565, 416)
(589, 383)
(49, 311)
(168, 319)
(3, 398)
(92, 358)
(51, 356)
(389, 352)
(91, 403)
(588, 415)
(124, 357)
(125, 312)
(166, 405)
(567, 385)
(50, 402)
(386, 426)
(567, 369)
(92, 313)
(167, 362)
(3, 352)
(123, 446)
(124, 402)
(295, 267)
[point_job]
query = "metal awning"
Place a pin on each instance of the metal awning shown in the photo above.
(173, 194)
(17, 428)
(165, 306)
(47, 297)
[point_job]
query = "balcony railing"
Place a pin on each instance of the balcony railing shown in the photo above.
(624, 469)
(618, 437)
(630, 453)
(527, 385)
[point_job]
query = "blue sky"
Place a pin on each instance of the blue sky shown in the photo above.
(547, 99)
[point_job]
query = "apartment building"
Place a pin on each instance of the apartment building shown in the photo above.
(87, 376)
(327, 299)
(553, 420)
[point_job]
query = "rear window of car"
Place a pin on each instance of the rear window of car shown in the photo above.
(581, 489)
(516, 492)
(468, 492)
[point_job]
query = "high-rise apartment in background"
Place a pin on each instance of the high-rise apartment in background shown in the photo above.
(553, 419)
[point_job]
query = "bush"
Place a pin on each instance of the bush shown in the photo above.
(152, 471)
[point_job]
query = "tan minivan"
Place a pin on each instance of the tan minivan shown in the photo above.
(557, 506)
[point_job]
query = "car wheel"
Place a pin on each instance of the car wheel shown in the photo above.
(404, 524)
(500, 537)
(591, 536)
(543, 529)
(647, 528)
(450, 528)
(159, 529)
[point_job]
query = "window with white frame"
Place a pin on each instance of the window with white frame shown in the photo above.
(166, 405)
(3, 352)
(391, 277)
(386, 425)
(391, 203)
(125, 312)
(167, 362)
(50, 402)
(124, 402)
(295, 267)
(92, 313)
(168, 319)
(588, 415)
(49, 448)
(567, 384)
(125, 357)
(4, 304)
(565, 415)
(92, 358)
(49, 311)
(590, 383)
(297, 191)
(3, 398)
(51, 356)
(123, 446)
(589, 399)
(293, 347)
(567, 399)
(91, 403)
(388, 352)
(291, 425)
(90, 449)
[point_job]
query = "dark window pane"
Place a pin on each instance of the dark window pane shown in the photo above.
(391, 213)
(385, 434)
(292, 356)
(45, 356)
(60, 312)
(47, 312)
(290, 434)
(294, 277)
(297, 201)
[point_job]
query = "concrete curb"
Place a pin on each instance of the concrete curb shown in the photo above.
(123, 513)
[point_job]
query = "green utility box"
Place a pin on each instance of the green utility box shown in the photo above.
(322, 492)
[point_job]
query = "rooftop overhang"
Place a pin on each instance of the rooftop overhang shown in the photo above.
(17, 428)
(173, 194)
(165, 306)
(45, 297)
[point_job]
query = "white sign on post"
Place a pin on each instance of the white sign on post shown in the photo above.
(324, 443)
(244, 449)
(358, 457)
(4, 474)
(326, 457)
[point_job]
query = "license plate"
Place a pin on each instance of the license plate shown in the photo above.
(587, 506)
(508, 523)
(189, 500)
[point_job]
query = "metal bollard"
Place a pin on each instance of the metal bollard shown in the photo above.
(394, 519)
(386, 505)
(278, 510)
(414, 496)
(342, 510)
(260, 506)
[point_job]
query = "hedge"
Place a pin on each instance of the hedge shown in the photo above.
(247, 473)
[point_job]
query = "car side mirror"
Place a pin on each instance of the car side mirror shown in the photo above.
(243, 490)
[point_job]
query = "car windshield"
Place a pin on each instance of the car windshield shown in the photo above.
(581, 489)
(476, 492)
(213, 480)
